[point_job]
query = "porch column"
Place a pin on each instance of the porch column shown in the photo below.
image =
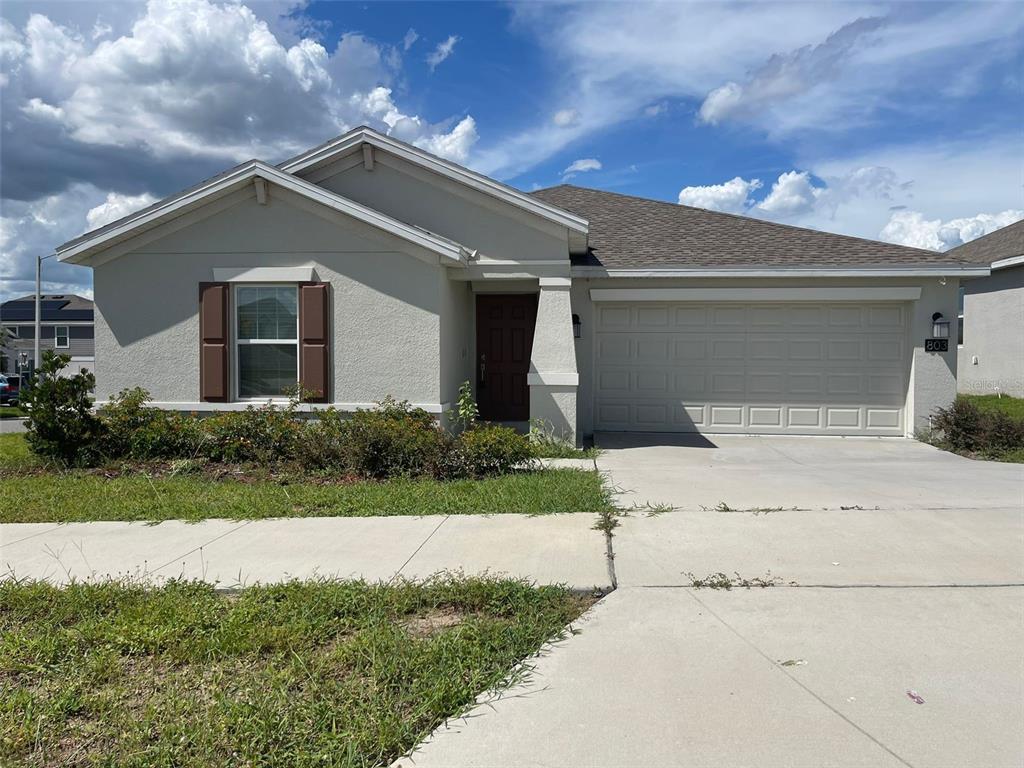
(553, 377)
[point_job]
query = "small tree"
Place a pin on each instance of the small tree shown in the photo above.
(466, 412)
(61, 423)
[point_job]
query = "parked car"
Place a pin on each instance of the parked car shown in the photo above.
(10, 387)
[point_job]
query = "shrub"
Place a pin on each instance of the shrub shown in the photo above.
(133, 430)
(321, 444)
(964, 428)
(393, 440)
(263, 435)
(61, 424)
(492, 449)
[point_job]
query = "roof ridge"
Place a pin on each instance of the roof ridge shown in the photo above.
(740, 217)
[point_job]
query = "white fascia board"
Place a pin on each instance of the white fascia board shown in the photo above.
(133, 224)
(784, 272)
(263, 274)
(1011, 261)
(871, 293)
(476, 181)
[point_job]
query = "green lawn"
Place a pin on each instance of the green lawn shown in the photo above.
(306, 673)
(1011, 406)
(78, 496)
(12, 412)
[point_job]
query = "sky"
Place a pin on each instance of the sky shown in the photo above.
(895, 121)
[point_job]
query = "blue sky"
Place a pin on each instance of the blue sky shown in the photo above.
(899, 121)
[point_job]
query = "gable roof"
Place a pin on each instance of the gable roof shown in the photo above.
(354, 139)
(82, 248)
(1002, 245)
(639, 234)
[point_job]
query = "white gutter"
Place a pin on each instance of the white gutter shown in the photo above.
(784, 272)
(1011, 261)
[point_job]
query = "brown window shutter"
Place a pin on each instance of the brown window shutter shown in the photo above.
(314, 339)
(213, 342)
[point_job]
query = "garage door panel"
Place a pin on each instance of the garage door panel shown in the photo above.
(728, 348)
(797, 369)
(691, 349)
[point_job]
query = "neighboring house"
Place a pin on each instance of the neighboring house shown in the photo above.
(66, 326)
(367, 267)
(991, 354)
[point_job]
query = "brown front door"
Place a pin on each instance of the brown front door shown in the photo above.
(504, 338)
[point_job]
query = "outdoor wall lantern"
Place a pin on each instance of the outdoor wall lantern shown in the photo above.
(940, 326)
(577, 327)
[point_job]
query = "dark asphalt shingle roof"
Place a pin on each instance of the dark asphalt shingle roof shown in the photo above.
(633, 232)
(1001, 244)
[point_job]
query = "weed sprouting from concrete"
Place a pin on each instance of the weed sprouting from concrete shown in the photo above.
(721, 581)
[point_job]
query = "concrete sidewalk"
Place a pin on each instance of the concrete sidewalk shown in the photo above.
(546, 548)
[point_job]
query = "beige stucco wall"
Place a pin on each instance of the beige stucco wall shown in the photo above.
(496, 230)
(931, 377)
(993, 334)
(386, 304)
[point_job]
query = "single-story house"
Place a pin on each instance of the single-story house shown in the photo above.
(65, 326)
(990, 358)
(367, 267)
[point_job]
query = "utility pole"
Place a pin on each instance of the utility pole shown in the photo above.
(39, 290)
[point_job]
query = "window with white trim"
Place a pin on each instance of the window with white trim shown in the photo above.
(60, 334)
(266, 340)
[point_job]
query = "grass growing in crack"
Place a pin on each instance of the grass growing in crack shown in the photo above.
(304, 673)
(723, 507)
(721, 581)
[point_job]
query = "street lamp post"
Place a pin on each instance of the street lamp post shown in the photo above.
(39, 290)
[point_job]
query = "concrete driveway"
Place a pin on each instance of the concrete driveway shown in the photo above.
(895, 636)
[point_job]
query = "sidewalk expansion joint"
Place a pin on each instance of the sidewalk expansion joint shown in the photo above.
(753, 646)
(417, 550)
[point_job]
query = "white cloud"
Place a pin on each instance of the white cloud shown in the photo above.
(830, 73)
(784, 76)
(454, 144)
(565, 117)
(410, 37)
(583, 165)
(912, 228)
(143, 103)
(443, 51)
(654, 110)
(37, 108)
(115, 207)
(730, 197)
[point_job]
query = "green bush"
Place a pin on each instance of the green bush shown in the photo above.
(264, 435)
(493, 450)
(321, 444)
(394, 440)
(61, 424)
(964, 428)
(134, 430)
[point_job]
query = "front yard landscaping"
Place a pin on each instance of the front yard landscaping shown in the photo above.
(128, 461)
(35, 492)
(981, 427)
(319, 673)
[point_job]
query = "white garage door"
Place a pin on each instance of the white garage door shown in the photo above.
(799, 368)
